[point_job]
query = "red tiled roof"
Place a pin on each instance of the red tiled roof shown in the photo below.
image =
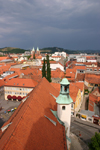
(1, 83)
(4, 68)
(80, 77)
(93, 78)
(34, 77)
(39, 57)
(10, 76)
(56, 86)
(29, 128)
(94, 97)
(20, 82)
(70, 74)
(73, 89)
(3, 58)
(80, 85)
(80, 67)
(57, 73)
(56, 56)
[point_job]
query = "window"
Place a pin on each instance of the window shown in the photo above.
(65, 88)
(63, 107)
(71, 105)
(89, 119)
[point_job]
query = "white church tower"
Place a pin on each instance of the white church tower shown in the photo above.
(64, 105)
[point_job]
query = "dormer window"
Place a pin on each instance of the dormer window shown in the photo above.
(63, 107)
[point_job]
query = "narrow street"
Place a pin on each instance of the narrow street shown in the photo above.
(83, 130)
(84, 103)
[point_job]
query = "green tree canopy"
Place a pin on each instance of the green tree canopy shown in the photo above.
(28, 56)
(48, 70)
(95, 142)
(44, 69)
(34, 56)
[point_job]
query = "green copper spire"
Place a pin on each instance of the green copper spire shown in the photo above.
(64, 81)
(33, 49)
(64, 97)
(37, 49)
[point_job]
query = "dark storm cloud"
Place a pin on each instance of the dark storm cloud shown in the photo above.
(72, 24)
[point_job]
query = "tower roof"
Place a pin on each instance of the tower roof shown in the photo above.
(33, 49)
(64, 81)
(64, 99)
(37, 49)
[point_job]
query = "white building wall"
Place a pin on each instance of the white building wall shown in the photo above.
(59, 54)
(65, 116)
(86, 83)
(91, 60)
(44, 57)
(56, 58)
(82, 59)
(55, 66)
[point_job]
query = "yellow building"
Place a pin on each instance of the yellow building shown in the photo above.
(76, 93)
(19, 87)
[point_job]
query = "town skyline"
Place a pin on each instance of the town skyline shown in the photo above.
(67, 24)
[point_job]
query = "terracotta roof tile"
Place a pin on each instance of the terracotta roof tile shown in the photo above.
(57, 73)
(93, 78)
(20, 82)
(1, 83)
(80, 77)
(29, 128)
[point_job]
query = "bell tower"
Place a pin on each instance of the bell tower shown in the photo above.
(33, 51)
(64, 104)
(37, 51)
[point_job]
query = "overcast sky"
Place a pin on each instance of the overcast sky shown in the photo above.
(69, 24)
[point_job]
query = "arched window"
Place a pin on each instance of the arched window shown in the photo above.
(63, 107)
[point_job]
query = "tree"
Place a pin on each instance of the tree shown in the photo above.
(28, 56)
(48, 70)
(34, 56)
(95, 142)
(44, 69)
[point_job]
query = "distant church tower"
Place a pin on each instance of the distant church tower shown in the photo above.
(33, 51)
(37, 51)
(64, 105)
